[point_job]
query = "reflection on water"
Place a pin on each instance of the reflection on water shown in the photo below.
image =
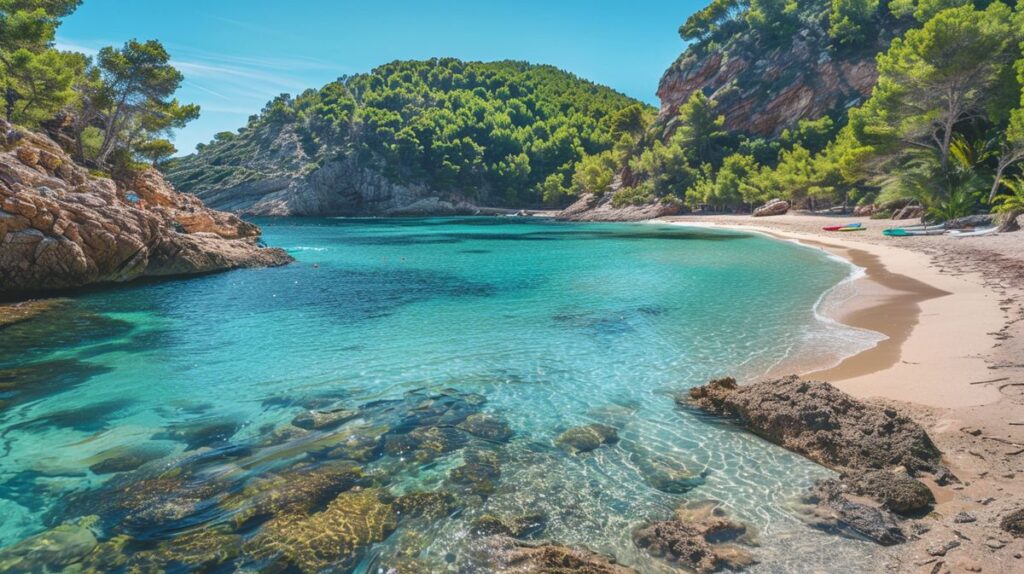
(394, 398)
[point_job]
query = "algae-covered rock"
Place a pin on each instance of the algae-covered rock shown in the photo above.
(435, 505)
(481, 471)
(334, 539)
(324, 419)
(487, 426)
(699, 537)
(200, 550)
(52, 550)
(519, 526)
(300, 490)
(512, 556)
(586, 438)
(125, 459)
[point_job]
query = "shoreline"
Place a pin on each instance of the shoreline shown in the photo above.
(953, 310)
(922, 314)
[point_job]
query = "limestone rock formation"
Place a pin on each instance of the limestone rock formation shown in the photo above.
(700, 538)
(773, 207)
(62, 228)
(822, 423)
(590, 207)
(765, 85)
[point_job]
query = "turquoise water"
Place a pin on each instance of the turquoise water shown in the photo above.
(545, 325)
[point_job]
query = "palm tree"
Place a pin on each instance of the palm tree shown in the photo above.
(1011, 205)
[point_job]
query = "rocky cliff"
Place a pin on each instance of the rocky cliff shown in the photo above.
(62, 228)
(281, 179)
(764, 85)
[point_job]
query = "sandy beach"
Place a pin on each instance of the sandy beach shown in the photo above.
(953, 358)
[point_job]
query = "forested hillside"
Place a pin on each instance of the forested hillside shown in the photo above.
(499, 134)
(763, 105)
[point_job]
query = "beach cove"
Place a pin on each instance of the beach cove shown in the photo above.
(609, 323)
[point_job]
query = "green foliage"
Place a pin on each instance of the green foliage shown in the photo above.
(35, 79)
(498, 130)
(773, 18)
(1013, 200)
(706, 23)
(700, 129)
(849, 20)
(594, 174)
(156, 150)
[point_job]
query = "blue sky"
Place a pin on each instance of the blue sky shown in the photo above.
(238, 54)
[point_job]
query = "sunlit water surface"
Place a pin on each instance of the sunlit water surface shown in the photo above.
(552, 324)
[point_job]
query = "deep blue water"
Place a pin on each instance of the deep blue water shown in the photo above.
(546, 325)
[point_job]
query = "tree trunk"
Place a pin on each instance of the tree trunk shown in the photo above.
(1008, 222)
(998, 180)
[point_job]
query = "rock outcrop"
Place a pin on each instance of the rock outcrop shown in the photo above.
(700, 538)
(765, 85)
(773, 207)
(590, 207)
(875, 448)
(63, 228)
(822, 423)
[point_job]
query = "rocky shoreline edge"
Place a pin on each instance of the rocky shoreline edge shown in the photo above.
(63, 227)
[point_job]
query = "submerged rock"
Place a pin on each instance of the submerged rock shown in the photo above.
(586, 438)
(436, 504)
(196, 434)
(699, 538)
(52, 550)
(334, 539)
(515, 526)
(487, 426)
(324, 419)
(509, 555)
(481, 471)
(300, 490)
(821, 422)
(200, 550)
(125, 459)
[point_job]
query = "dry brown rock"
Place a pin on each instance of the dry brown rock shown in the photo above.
(821, 422)
(773, 207)
(62, 228)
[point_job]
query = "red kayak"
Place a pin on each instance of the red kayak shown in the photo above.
(840, 227)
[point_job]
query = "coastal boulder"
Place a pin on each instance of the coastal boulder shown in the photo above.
(586, 438)
(821, 422)
(52, 550)
(895, 491)
(773, 207)
(700, 538)
(828, 508)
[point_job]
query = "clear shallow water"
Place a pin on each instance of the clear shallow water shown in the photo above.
(545, 325)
